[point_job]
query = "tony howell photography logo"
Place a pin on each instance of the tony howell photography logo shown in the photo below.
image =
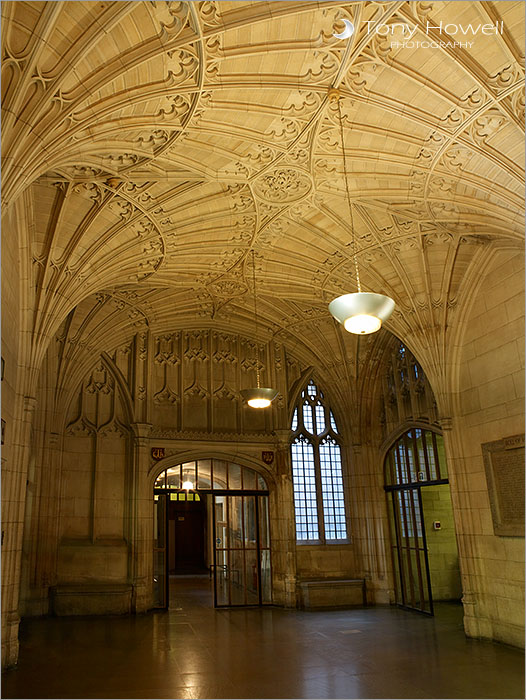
(439, 34)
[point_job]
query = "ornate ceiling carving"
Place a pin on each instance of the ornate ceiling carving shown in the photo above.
(162, 141)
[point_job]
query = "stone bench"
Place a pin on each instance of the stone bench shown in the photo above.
(91, 599)
(317, 594)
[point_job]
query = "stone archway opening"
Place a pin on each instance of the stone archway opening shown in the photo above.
(423, 540)
(213, 515)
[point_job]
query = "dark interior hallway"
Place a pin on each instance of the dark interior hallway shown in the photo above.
(194, 651)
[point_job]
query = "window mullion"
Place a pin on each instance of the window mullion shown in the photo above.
(319, 494)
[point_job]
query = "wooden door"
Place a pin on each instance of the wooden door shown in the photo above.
(187, 543)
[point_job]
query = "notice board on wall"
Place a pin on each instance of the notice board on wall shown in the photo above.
(504, 464)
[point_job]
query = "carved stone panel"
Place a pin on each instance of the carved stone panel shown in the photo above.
(504, 464)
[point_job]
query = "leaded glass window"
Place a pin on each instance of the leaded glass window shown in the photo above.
(304, 480)
(417, 455)
(317, 477)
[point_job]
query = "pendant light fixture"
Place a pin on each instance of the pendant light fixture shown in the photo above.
(362, 312)
(258, 396)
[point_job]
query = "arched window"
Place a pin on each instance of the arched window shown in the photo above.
(317, 470)
(416, 457)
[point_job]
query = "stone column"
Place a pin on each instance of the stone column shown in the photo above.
(14, 483)
(41, 535)
(140, 519)
(475, 624)
(370, 530)
(283, 530)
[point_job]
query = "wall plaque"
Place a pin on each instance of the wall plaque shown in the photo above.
(504, 464)
(158, 452)
(267, 456)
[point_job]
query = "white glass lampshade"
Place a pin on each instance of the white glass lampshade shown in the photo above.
(362, 312)
(188, 486)
(259, 397)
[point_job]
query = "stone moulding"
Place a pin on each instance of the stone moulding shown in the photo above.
(170, 434)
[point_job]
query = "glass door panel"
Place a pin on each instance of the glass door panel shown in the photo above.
(236, 577)
(221, 578)
(160, 578)
(264, 549)
(410, 557)
(241, 564)
(221, 560)
(235, 521)
(249, 521)
(266, 577)
(252, 576)
(394, 519)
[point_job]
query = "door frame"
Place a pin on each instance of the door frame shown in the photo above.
(166, 577)
(214, 492)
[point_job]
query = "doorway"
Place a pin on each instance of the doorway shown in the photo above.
(217, 524)
(423, 540)
(187, 534)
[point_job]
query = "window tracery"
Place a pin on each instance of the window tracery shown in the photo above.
(407, 395)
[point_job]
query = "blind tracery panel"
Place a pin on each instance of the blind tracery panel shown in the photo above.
(317, 470)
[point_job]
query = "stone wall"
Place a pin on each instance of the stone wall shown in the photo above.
(441, 544)
(12, 480)
(491, 407)
(176, 391)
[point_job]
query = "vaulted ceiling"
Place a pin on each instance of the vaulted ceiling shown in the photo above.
(155, 144)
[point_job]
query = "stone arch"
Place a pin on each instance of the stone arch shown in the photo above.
(197, 454)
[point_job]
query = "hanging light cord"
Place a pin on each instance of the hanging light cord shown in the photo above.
(255, 315)
(353, 242)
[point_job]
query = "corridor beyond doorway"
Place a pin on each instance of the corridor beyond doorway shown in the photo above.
(196, 651)
(191, 592)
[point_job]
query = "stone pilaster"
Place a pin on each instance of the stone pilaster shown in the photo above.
(370, 530)
(14, 483)
(140, 525)
(284, 532)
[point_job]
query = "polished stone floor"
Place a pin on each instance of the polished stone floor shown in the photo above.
(194, 651)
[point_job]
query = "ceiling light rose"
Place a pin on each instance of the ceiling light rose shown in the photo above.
(362, 312)
(258, 396)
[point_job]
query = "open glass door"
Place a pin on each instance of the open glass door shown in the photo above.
(416, 465)
(160, 563)
(241, 550)
(413, 587)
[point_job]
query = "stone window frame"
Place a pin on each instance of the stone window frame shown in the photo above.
(314, 437)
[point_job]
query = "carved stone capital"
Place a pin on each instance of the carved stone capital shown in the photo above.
(283, 439)
(53, 439)
(141, 430)
(357, 448)
(30, 403)
(446, 422)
